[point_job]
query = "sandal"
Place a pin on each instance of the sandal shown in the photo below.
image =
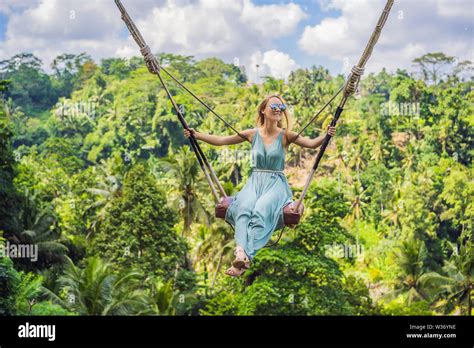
(241, 259)
(235, 272)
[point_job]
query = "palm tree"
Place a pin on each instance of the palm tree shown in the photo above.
(162, 297)
(96, 290)
(38, 227)
(394, 208)
(357, 197)
(230, 165)
(411, 282)
(410, 157)
(107, 190)
(272, 85)
(181, 175)
(378, 150)
(356, 158)
(28, 291)
(212, 246)
(454, 286)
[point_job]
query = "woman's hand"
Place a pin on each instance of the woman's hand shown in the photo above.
(187, 133)
(332, 131)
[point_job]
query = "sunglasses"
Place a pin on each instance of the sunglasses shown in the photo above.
(282, 107)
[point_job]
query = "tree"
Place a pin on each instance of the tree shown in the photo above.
(96, 290)
(451, 115)
(454, 286)
(9, 198)
(21, 294)
(64, 151)
(37, 226)
(185, 66)
(107, 190)
(138, 230)
(298, 277)
(216, 68)
(182, 175)
(431, 65)
(30, 87)
(412, 280)
(458, 190)
(357, 197)
(120, 67)
(67, 68)
(9, 283)
(162, 298)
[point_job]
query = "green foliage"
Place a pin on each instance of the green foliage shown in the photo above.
(22, 293)
(398, 308)
(291, 281)
(453, 286)
(30, 87)
(137, 231)
(431, 63)
(74, 182)
(63, 151)
(68, 69)
(9, 284)
(36, 227)
(8, 195)
(96, 290)
(298, 278)
(326, 209)
(120, 68)
(180, 173)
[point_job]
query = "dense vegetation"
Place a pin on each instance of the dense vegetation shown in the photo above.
(95, 172)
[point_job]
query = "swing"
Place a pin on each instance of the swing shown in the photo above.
(293, 211)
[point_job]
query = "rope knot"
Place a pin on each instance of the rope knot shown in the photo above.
(357, 70)
(149, 59)
(353, 80)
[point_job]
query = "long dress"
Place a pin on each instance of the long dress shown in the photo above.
(257, 210)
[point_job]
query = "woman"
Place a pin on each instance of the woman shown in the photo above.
(257, 210)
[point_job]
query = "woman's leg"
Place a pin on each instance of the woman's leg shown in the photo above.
(243, 214)
(261, 220)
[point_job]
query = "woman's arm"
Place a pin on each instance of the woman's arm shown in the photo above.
(220, 140)
(310, 143)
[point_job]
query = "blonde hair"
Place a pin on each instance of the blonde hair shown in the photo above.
(260, 120)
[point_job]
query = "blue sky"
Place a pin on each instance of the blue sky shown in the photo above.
(3, 25)
(289, 44)
(280, 36)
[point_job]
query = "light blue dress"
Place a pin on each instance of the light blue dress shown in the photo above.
(257, 210)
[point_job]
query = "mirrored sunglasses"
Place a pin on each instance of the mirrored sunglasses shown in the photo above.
(282, 107)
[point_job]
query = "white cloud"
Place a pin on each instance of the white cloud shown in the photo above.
(203, 28)
(51, 27)
(412, 29)
(272, 20)
(240, 29)
(456, 9)
(273, 63)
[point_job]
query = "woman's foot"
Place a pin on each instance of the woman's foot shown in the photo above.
(235, 272)
(241, 258)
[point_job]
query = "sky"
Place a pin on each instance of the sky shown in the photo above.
(277, 35)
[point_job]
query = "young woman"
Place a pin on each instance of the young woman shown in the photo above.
(257, 210)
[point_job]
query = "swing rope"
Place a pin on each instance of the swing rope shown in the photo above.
(349, 88)
(154, 68)
(204, 104)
